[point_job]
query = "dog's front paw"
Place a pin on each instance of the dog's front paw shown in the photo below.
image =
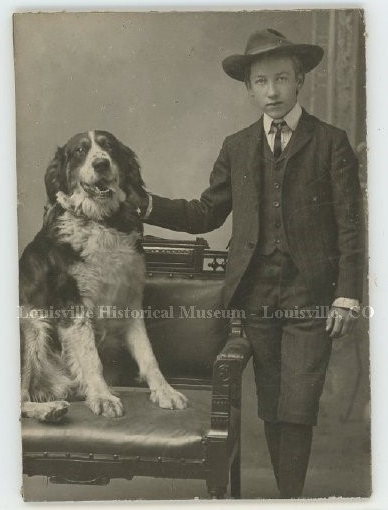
(168, 398)
(107, 405)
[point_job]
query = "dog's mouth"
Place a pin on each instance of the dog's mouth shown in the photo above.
(99, 189)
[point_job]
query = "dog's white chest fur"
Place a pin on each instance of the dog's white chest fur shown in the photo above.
(111, 271)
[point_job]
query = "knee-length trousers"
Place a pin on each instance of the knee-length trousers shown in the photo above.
(285, 325)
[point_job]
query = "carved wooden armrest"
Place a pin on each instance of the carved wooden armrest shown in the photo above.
(236, 348)
(225, 422)
(227, 377)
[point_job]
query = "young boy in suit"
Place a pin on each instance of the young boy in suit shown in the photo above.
(296, 247)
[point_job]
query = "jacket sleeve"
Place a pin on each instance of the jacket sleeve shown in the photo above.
(198, 216)
(348, 209)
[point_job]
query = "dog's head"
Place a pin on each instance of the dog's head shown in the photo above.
(93, 173)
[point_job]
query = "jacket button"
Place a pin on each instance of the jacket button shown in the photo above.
(276, 185)
(251, 244)
(276, 204)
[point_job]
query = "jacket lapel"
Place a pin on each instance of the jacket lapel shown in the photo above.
(302, 134)
(253, 156)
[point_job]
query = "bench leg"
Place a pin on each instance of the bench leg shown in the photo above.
(235, 476)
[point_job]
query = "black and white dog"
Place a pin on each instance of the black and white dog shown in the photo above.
(88, 254)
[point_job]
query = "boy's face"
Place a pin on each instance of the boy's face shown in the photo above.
(274, 85)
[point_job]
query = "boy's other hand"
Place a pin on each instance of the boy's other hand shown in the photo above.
(340, 321)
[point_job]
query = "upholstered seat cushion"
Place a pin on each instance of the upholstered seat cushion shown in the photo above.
(145, 430)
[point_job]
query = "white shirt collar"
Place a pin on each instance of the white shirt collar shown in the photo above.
(292, 118)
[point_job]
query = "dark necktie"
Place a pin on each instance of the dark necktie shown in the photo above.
(277, 147)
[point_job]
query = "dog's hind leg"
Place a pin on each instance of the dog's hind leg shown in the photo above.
(140, 347)
(49, 412)
(35, 368)
(81, 357)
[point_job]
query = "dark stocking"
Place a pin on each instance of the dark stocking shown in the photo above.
(289, 445)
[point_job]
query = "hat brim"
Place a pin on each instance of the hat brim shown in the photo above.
(309, 54)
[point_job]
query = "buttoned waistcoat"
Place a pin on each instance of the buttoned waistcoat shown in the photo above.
(321, 206)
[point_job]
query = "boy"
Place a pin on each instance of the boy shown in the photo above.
(296, 244)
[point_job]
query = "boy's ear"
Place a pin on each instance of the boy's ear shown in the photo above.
(299, 82)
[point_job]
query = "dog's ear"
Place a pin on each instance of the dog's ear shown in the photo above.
(131, 165)
(55, 178)
(131, 181)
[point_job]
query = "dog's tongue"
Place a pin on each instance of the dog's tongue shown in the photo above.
(98, 189)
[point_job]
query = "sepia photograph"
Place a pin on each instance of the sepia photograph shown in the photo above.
(193, 255)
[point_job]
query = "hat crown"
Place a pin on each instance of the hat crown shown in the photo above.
(265, 39)
(271, 42)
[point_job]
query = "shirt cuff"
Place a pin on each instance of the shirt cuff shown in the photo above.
(149, 207)
(343, 302)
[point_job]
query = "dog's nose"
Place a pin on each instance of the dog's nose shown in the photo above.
(101, 165)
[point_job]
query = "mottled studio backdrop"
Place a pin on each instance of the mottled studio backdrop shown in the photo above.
(155, 80)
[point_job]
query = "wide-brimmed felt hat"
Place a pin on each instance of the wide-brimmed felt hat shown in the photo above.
(270, 42)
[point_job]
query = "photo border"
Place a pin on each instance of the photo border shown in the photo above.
(376, 14)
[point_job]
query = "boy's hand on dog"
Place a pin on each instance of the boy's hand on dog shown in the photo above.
(139, 200)
(340, 321)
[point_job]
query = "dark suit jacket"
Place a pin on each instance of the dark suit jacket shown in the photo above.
(321, 200)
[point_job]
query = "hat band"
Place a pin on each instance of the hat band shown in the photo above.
(262, 49)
